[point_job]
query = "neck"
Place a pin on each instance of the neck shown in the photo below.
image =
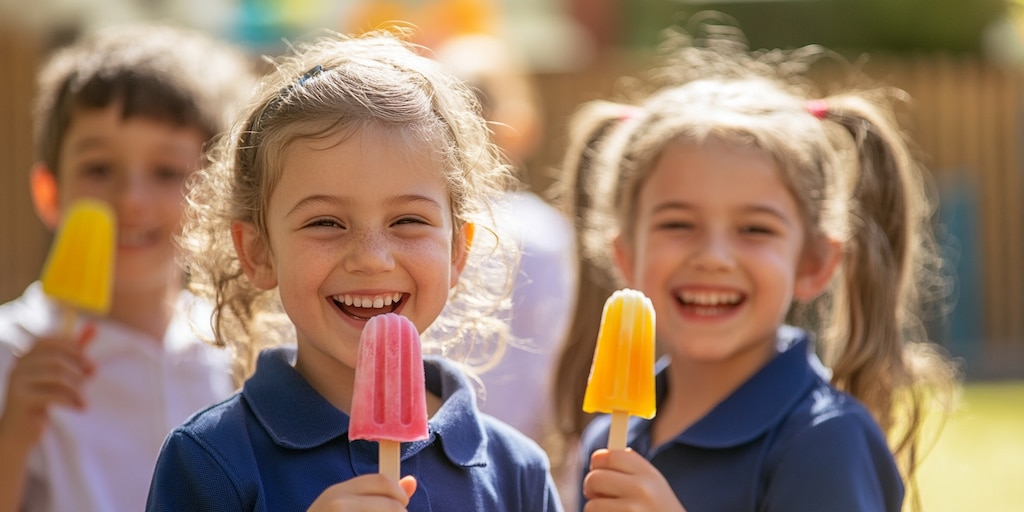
(696, 387)
(148, 309)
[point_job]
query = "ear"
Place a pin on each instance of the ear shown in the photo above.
(253, 254)
(624, 259)
(462, 244)
(817, 266)
(45, 198)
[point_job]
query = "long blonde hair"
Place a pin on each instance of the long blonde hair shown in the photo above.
(851, 171)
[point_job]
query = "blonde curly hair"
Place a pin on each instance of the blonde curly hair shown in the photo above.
(338, 83)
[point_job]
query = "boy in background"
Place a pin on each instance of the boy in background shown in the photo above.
(124, 116)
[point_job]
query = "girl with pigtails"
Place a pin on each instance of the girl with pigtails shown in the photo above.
(773, 230)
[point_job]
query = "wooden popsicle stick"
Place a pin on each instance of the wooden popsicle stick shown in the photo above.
(68, 315)
(618, 430)
(390, 460)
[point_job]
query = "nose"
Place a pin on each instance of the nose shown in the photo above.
(133, 192)
(713, 252)
(368, 253)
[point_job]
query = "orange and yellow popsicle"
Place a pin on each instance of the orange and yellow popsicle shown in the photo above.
(389, 401)
(78, 271)
(622, 375)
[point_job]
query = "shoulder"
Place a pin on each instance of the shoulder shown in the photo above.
(203, 463)
(519, 468)
(825, 412)
(217, 425)
(830, 454)
(217, 434)
(504, 441)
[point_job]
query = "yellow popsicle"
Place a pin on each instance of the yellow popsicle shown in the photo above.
(78, 269)
(622, 374)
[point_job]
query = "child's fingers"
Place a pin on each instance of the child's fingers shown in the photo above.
(627, 461)
(408, 484)
(50, 372)
(605, 483)
(87, 335)
(366, 492)
(623, 479)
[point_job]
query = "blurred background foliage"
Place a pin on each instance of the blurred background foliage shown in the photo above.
(897, 26)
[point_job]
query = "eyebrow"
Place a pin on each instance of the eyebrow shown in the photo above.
(87, 143)
(326, 199)
(752, 208)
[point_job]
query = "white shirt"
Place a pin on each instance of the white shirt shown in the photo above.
(102, 458)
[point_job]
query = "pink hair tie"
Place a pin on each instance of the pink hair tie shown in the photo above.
(817, 108)
(629, 112)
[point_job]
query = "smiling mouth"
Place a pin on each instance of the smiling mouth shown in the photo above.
(364, 307)
(710, 303)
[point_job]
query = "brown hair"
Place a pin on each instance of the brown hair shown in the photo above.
(161, 72)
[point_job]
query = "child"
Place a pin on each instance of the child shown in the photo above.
(123, 116)
(355, 185)
(729, 196)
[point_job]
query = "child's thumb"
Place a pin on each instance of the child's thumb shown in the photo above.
(408, 484)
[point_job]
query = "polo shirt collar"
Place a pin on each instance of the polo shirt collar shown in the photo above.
(757, 405)
(296, 416)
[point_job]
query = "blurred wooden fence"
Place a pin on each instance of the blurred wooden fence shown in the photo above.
(23, 240)
(965, 117)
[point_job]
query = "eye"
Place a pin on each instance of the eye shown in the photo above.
(170, 174)
(324, 222)
(410, 220)
(95, 170)
(674, 225)
(758, 229)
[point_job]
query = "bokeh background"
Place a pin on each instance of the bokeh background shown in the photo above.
(961, 62)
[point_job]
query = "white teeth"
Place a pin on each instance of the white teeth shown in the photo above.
(710, 298)
(363, 301)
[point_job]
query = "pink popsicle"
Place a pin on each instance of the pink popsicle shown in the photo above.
(389, 401)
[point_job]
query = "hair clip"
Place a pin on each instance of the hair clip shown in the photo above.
(314, 71)
(817, 108)
(275, 103)
(307, 76)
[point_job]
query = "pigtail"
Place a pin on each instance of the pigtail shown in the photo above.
(878, 354)
(576, 194)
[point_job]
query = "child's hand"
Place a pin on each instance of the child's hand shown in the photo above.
(623, 480)
(368, 492)
(51, 372)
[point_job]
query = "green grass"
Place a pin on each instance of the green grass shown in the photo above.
(978, 461)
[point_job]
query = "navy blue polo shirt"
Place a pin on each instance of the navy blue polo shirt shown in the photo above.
(278, 444)
(784, 441)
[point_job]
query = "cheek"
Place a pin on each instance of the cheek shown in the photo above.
(778, 266)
